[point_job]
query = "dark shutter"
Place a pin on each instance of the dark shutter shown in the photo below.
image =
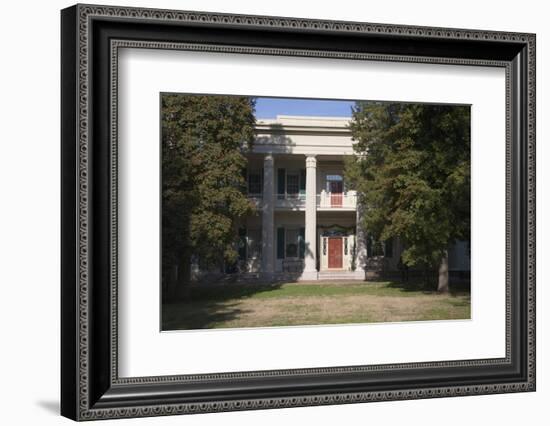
(302, 242)
(242, 243)
(280, 243)
(281, 183)
(302, 181)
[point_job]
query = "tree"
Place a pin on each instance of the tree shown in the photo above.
(411, 169)
(204, 141)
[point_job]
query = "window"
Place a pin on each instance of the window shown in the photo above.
(291, 243)
(379, 248)
(255, 182)
(292, 184)
(374, 247)
(334, 183)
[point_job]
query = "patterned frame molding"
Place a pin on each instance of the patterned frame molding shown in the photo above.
(91, 388)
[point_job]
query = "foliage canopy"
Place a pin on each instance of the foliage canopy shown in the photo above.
(204, 142)
(411, 169)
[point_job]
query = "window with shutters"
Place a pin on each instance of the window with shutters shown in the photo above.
(379, 248)
(291, 183)
(374, 247)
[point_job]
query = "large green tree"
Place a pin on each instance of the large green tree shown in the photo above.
(204, 142)
(412, 173)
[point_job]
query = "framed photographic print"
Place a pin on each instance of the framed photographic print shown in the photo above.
(263, 212)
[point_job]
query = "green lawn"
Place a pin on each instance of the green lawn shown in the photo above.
(235, 306)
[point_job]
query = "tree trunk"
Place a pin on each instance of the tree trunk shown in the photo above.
(443, 280)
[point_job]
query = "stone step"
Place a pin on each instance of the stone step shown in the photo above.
(344, 275)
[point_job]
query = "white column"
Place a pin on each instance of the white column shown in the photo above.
(310, 267)
(361, 242)
(268, 200)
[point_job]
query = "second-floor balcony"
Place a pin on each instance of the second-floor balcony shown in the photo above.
(337, 200)
(325, 200)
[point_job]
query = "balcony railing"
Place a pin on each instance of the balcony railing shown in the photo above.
(290, 201)
(325, 200)
(337, 200)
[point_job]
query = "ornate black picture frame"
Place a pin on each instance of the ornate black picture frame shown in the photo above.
(91, 36)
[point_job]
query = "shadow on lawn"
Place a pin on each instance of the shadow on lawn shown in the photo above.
(213, 305)
(455, 288)
(208, 306)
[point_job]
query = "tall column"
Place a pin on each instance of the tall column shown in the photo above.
(360, 242)
(310, 261)
(268, 200)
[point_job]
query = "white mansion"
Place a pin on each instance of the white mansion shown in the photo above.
(306, 225)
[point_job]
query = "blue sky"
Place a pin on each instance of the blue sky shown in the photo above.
(271, 107)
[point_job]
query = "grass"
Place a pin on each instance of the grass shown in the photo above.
(236, 306)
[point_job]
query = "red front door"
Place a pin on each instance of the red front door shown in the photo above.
(335, 253)
(336, 193)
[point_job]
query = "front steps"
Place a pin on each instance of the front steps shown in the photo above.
(340, 275)
(358, 275)
(278, 277)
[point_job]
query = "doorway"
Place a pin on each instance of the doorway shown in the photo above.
(335, 256)
(335, 193)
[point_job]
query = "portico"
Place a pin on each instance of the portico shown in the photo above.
(307, 215)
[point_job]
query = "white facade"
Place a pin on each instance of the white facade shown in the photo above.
(307, 216)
